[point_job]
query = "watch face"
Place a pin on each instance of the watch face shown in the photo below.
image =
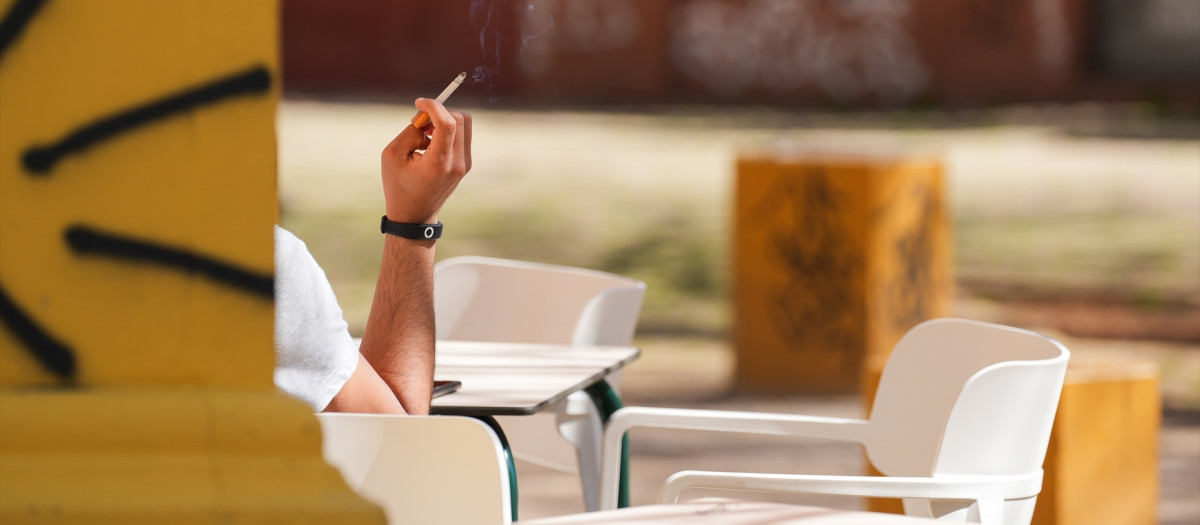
(137, 191)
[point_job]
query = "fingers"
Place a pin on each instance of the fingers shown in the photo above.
(444, 135)
(420, 120)
(445, 129)
(409, 140)
(413, 138)
(466, 132)
(460, 143)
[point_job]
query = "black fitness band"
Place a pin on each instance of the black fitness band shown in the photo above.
(419, 232)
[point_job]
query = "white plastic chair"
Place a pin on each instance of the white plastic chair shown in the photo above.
(500, 300)
(959, 427)
(421, 469)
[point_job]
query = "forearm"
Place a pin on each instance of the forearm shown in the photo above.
(399, 338)
(365, 392)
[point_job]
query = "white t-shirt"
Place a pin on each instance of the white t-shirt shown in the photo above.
(314, 353)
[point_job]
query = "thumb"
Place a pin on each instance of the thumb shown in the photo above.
(409, 140)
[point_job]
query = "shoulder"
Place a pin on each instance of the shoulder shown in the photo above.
(291, 254)
(287, 242)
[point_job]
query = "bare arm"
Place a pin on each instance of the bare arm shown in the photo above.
(398, 341)
(365, 392)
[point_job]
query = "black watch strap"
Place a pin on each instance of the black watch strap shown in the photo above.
(410, 231)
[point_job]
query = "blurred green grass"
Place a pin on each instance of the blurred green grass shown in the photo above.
(1038, 212)
(1139, 258)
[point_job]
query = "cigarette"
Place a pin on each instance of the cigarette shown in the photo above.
(423, 118)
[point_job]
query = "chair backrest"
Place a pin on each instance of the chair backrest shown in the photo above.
(966, 397)
(488, 299)
(421, 469)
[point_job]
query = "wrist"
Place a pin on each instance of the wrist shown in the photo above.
(410, 217)
(409, 207)
(415, 231)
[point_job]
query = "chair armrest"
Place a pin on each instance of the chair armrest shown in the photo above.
(977, 488)
(838, 429)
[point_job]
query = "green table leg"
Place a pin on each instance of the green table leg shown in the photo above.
(607, 401)
(508, 457)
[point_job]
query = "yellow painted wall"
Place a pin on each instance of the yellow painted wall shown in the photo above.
(201, 180)
(135, 372)
(834, 259)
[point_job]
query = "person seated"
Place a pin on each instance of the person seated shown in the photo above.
(391, 372)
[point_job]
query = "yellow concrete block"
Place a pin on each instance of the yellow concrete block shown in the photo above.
(834, 260)
(1102, 463)
(137, 204)
(167, 455)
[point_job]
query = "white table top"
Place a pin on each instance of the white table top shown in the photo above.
(730, 512)
(519, 378)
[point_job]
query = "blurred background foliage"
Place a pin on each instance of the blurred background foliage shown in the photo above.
(1040, 214)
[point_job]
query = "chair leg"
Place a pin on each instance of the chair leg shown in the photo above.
(584, 432)
(608, 403)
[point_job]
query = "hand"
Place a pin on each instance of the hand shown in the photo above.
(415, 184)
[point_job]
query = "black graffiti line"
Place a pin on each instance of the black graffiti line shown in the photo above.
(53, 354)
(89, 241)
(40, 159)
(16, 20)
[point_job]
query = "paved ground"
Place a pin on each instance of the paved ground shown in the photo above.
(697, 375)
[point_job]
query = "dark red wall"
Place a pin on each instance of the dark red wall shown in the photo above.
(778, 52)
